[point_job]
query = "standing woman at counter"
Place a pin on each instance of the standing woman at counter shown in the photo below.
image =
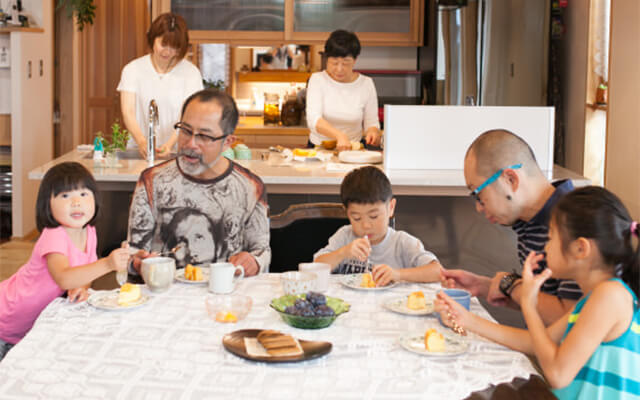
(164, 76)
(342, 104)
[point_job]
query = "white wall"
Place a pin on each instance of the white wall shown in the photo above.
(397, 58)
(31, 114)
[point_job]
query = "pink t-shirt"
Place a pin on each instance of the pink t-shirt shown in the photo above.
(27, 292)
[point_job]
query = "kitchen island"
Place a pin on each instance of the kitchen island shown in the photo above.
(433, 205)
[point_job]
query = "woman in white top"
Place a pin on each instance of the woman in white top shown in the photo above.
(164, 76)
(342, 104)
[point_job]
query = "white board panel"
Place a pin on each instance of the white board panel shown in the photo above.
(437, 137)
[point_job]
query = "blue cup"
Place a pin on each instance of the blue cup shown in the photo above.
(461, 296)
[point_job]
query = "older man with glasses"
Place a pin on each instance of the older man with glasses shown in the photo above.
(231, 200)
(510, 189)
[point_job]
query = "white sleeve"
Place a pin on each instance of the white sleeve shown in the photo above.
(194, 82)
(337, 240)
(127, 79)
(370, 117)
(413, 252)
(314, 101)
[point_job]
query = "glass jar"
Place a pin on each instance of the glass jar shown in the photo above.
(271, 108)
(291, 111)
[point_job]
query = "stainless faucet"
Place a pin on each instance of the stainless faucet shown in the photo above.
(151, 138)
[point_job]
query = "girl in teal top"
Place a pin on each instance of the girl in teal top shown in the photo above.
(593, 351)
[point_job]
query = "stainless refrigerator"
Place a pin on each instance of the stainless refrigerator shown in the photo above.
(493, 52)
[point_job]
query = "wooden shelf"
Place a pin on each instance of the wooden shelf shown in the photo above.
(597, 106)
(9, 29)
(274, 76)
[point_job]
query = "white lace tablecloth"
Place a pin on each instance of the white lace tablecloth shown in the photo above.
(170, 349)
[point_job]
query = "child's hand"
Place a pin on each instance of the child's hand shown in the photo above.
(77, 295)
(531, 282)
(452, 313)
(383, 274)
(359, 248)
(118, 259)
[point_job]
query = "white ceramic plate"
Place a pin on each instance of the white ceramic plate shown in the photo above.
(360, 156)
(399, 305)
(180, 276)
(108, 300)
(353, 281)
(453, 345)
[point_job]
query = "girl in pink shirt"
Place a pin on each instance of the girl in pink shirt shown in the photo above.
(64, 257)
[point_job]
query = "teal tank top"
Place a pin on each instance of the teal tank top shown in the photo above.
(612, 370)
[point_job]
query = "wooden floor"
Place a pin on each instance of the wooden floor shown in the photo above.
(15, 253)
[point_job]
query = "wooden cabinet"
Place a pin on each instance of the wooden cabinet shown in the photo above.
(381, 23)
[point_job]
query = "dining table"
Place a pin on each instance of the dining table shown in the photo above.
(170, 348)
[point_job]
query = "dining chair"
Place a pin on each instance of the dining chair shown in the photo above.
(300, 231)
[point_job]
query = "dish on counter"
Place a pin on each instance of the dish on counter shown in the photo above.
(453, 345)
(354, 281)
(399, 305)
(360, 157)
(108, 300)
(234, 343)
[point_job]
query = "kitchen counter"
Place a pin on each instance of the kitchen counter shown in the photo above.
(311, 177)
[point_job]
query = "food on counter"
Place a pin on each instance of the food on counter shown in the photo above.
(229, 154)
(278, 344)
(304, 152)
(433, 340)
(129, 293)
(192, 273)
(242, 152)
(416, 301)
(226, 316)
(367, 281)
(329, 144)
(356, 146)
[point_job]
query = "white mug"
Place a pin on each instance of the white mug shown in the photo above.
(158, 272)
(322, 270)
(221, 280)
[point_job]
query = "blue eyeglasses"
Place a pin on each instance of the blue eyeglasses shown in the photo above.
(490, 180)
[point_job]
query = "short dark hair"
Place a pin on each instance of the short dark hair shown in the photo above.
(60, 178)
(366, 185)
(229, 118)
(342, 43)
(593, 212)
(173, 30)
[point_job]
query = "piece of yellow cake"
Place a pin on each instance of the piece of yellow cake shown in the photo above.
(416, 301)
(192, 273)
(367, 281)
(433, 340)
(304, 152)
(129, 293)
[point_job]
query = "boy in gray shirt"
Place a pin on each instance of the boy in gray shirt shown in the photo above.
(368, 243)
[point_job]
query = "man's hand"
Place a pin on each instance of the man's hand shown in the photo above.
(136, 259)
(247, 261)
(477, 285)
(77, 295)
(383, 274)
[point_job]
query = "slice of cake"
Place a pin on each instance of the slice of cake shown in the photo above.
(433, 341)
(192, 273)
(416, 301)
(129, 293)
(367, 281)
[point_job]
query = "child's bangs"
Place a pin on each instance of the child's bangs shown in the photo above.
(71, 182)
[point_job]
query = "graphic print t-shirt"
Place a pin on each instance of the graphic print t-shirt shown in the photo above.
(209, 219)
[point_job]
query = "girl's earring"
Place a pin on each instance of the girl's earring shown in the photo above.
(508, 197)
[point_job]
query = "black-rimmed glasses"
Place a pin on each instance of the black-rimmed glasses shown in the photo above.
(201, 139)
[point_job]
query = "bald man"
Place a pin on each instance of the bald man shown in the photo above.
(511, 190)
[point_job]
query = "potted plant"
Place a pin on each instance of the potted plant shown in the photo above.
(119, 139)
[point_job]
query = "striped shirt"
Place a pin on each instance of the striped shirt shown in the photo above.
(610, 372)
(534, 234)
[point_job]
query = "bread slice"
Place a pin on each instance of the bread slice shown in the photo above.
(278, 344)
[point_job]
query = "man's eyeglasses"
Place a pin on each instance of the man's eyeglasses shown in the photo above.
(490, 180)
(201, 140)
